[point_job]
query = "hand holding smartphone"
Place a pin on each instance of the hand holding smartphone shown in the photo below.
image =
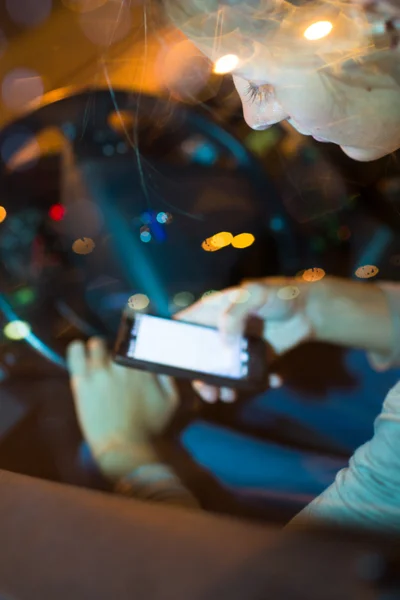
(191, 351)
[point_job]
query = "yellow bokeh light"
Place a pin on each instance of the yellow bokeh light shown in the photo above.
(318, 30)
(226, 64)
(3, 214)
(209, 246)
(243, 240)
(138, 301)
(83, 246)
(17, 330)
(314, 274)
(222, 239)
(367, 272)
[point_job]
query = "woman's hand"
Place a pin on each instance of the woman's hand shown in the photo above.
(285, 308)
(291, 311)
(119, 409)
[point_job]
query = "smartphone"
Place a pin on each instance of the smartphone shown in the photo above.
(190, 351)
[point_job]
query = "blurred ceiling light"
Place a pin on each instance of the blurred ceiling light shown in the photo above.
(3, 214)
(139, 301)
(226, 64)
(17, 330)
(318, 30)
(243, 240)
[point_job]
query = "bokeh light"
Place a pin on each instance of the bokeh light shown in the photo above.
(57, 212)
(222, 239)
(243, 240)
(21, 87)
(183, 70)
(318, 30)
(121, 121)
(183, 299)
(209, 246)
(145, 236)
(29, 13)
(83, 6)
(226, 64)
(164, 218)
(83, 246)
(366, 272)
(289, 292)
(138, 301)
(314, 274)
(24, 296)
(17, 330)
(3, 214)
(108, 24)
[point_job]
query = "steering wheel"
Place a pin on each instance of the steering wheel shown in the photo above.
(145, 182)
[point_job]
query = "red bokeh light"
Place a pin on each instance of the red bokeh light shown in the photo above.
(57, 212)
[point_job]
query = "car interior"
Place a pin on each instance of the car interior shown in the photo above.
(121, 152)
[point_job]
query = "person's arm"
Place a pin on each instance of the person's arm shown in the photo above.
(358, 315)
(366, 494)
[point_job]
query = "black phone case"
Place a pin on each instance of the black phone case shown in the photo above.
(257, 349)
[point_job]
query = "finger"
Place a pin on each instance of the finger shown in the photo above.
(208, 310)
(97, 353)
(77, 363)
(227, 395)
(208, 393)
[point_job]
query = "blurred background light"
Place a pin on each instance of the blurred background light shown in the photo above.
(29, 13)
(17, 330)
(183, 299)
(21, 87)
(10, 150)
(222, 239)
(367, 271)
(314, 274)
(145, 236)
(318, 30)
(107, 24)
(57, 212)
(83, 246)
(3, 214)
(139, 301)
(226, 64)
(243, 240)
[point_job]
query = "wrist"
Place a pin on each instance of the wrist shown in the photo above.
(352, 314)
